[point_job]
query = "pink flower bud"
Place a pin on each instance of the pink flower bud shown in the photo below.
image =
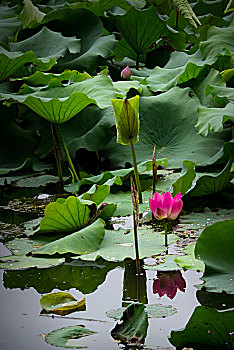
(164, 206)
(126, 73)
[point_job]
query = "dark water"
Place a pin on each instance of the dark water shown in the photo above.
(22, 324)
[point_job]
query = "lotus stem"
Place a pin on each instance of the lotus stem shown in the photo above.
(138, 184)
(154, 170)
(165, 229)
(57, 154)
(137, 61)
(68, 156)
(135, 223)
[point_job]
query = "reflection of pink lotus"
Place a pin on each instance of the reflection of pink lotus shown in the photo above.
(164, 206)
(167, 283)
(126, 73)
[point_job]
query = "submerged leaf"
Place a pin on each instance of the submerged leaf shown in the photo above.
(68, 337)
(14, 262)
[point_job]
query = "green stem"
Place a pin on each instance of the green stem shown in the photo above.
(68, 156)
(165, 229)
(56, 153)
(138, 184)
(137, 61)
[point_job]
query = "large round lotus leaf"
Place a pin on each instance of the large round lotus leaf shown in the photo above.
(68, 337)
(90, 129)
(215, 248)
(152, 310)
(168, 121)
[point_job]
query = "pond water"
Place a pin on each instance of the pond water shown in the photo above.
(23, 327)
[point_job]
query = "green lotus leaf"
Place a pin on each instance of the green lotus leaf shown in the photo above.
(59, 104)
(90, 129)
(84, 241)
(184, 182)
(213, 184)
(212, 119)
(140, 37)
(82, 275)
(117, 246)
(8, 27)
(219, 40)
(163, 79)
(7, 12)
(123, 49)
(66, 215)
(152, 311)
(42, 78)
(68, 337)
(214, 248)
(47, 44)
(186, 11)
(94, 44)
(13, 61)
(188, 261)
(221, 94)
(171, 127)
(207, 328)
(227, 74)
(21, 262)
(134, 325)
(97, 193)
(30, 15)
(60, 301)
(214, 77)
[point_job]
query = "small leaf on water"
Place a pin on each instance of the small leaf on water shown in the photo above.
(60, 301)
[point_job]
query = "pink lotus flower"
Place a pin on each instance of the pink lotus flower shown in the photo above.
(126, 73)
(164, 206)
(167, 283)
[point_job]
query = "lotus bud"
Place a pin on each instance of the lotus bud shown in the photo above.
(127, 119)
(126, 73)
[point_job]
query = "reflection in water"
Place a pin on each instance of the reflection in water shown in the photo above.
(134, 285)
(167, 283)
(84, 276)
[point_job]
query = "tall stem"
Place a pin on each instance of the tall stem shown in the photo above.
(137, 61)
(68, 156)
(135, 223)
(154, 169)
(138, 184)
(165, 229)
(56, 153)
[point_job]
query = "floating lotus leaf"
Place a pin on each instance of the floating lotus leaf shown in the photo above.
(188, 261)
(68, 337)
(152, 311)
(206, 328)
(60, 302)
(21, 262)
(214, 247)
(117, 246)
